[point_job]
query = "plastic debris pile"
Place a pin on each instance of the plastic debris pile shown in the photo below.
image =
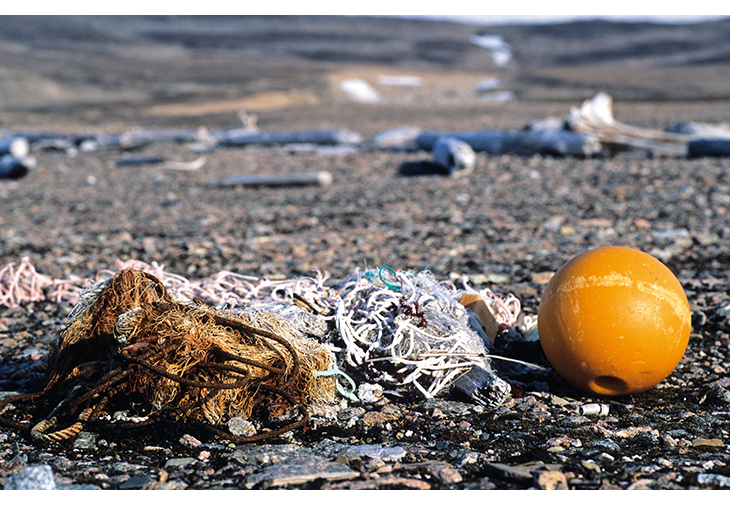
(260, 348)
(415, 333)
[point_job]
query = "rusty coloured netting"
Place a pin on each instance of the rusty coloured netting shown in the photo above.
(128, 338)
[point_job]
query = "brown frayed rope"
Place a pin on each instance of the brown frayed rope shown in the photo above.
(128, 338)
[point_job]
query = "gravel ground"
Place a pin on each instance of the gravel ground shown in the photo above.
(506, 226)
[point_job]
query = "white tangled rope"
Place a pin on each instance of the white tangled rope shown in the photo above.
(411, 331)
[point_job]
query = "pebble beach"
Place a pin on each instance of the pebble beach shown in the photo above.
(506, 226)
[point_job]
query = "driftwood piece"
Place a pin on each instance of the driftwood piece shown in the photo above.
(17, 146)
(698, 129)
(138, 138)
(185, 166)
(455, 155)
(130, 161)
(560, 143)
(708, 147)
(14, 167)
(595, 117)
(322, 178)
(244, 137)
(327, 150)
(404, 138)
(70, 144)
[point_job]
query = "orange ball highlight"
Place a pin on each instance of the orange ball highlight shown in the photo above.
(614, 321)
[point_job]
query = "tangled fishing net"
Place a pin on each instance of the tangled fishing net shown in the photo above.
(256, 349)
(129, 342)
(414, 333)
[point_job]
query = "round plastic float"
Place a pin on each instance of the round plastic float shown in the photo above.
(614, 321)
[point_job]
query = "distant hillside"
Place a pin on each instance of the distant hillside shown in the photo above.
(63, 61)
(618, 44)
(381, 40)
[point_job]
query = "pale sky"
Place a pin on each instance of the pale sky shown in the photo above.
(536, 9)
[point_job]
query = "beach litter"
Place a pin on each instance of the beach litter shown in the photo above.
(129, 344)
(255, 349)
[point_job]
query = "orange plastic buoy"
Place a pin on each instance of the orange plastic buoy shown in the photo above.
(614, 321)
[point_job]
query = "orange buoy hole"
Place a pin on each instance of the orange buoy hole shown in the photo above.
(607, 385)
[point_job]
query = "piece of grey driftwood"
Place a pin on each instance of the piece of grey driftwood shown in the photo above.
(137, 138)
(455, 155)
(708, 147)
(17, 146)
(69, 143)
(698, 130)
(129, 161)
(557, 143)
(14, 167)
(595, 117)
(244, 137)
(321, 178)
(404, 138)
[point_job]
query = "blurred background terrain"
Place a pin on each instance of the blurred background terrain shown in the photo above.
(74, 72)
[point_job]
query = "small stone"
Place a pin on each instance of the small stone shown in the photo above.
(509, 472)
(667, 440)
(469, 458)
(604, 456)
(542, 277)
(445, 474)
(264, 454)
(179, 462)
(85, 440)
(189, 441)
(372, 465)
(575, 420)
(369, 393)
(376, 452)
(455, 155)
(590, 465)
(643, 484)
(241, 428)
(373, 418)
(549, 480)
(563, 441)
(708, 442)
(299, 470)
(32, 478)
(717, 394)
(137, 482)
(645, 432)
(711, 479)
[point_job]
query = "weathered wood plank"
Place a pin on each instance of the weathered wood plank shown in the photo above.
(322, 178)
(708, 147)
(557, 143)
(244, 137)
